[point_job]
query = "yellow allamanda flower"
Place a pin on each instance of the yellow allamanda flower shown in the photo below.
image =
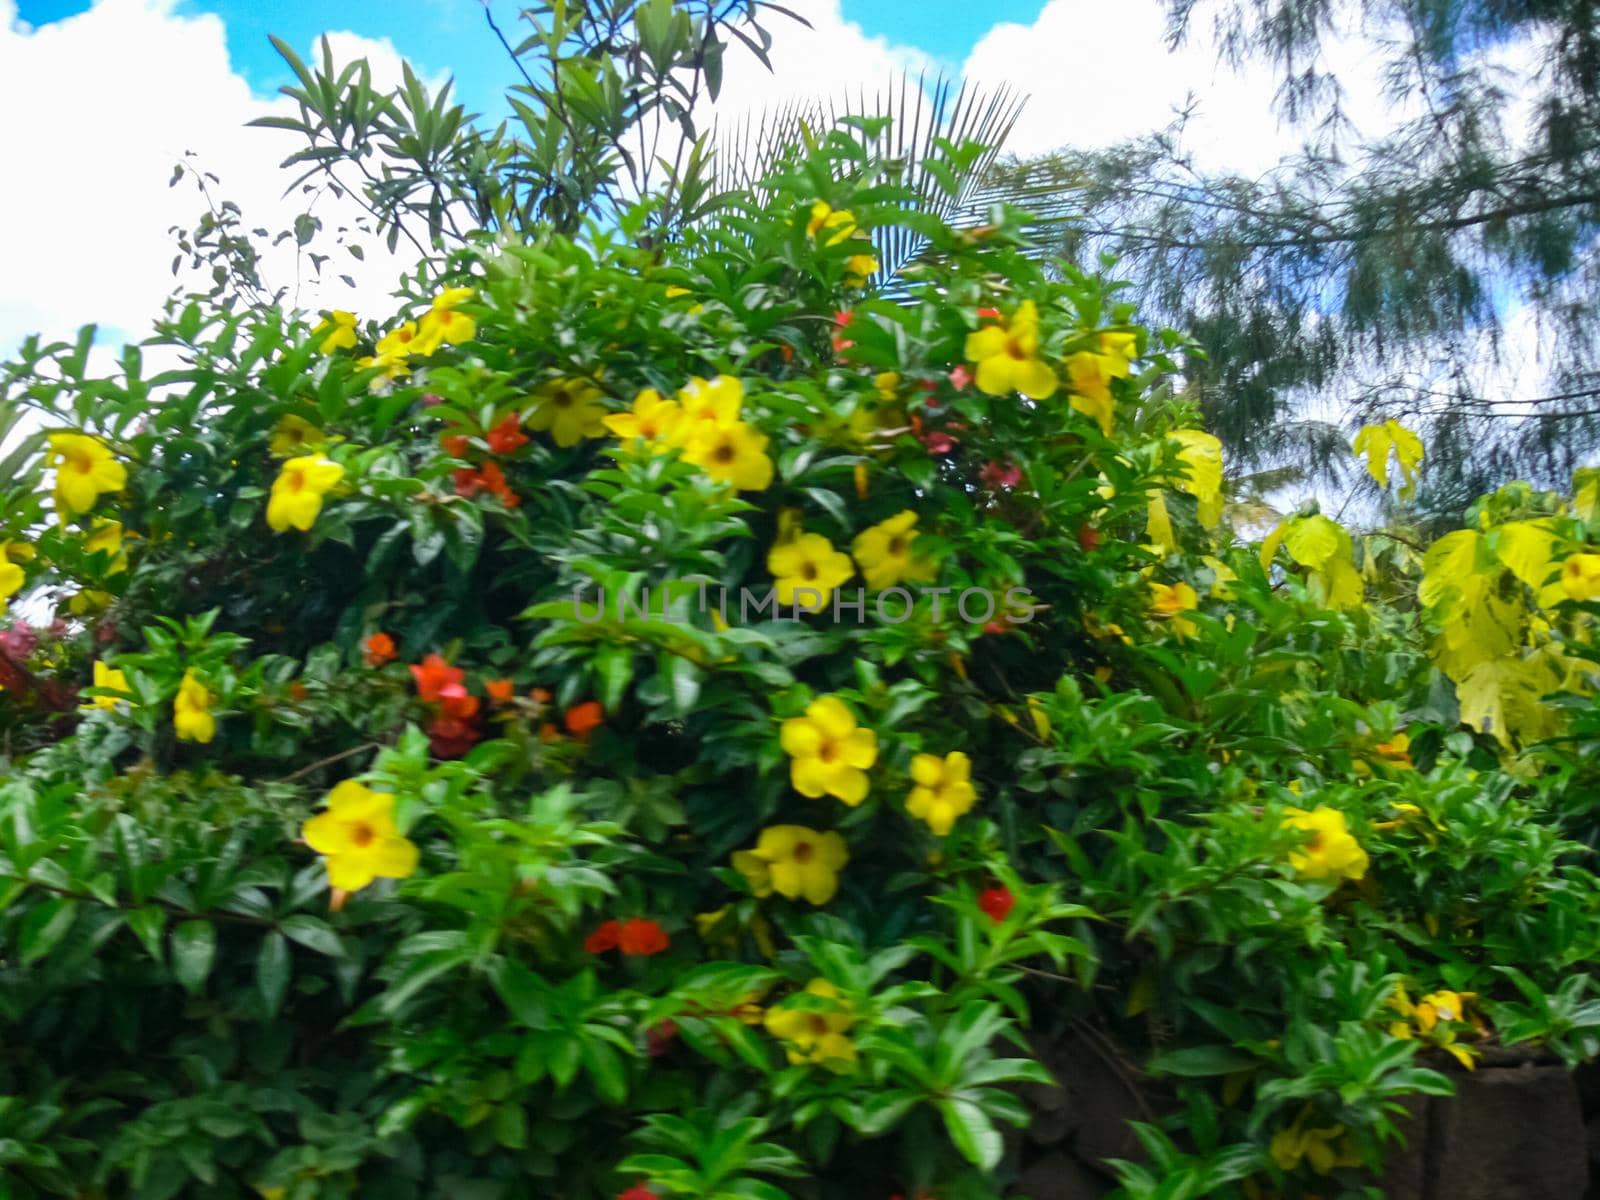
(1089, 377)
(808, 562)
(12, 577)
(714, 401)
(883, 553)
(1331, 851)
(943, 790)
(298, 491)
(394, 350)
(112, 680)
(837, 223)
(107, 538)
(859, 268)
(652, 420)
(442, 324)
(1170, 601)
(1006, 356)
(191, 710)
(829, 755)
(1580, 577)
(794, 861)
(816, 1033)
(358, 839)
(734, 454)
(569, 410)
(85, 467)
(336, 331)
(294, 435)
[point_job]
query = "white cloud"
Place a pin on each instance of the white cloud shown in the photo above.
(113, 98)
(1098, 75)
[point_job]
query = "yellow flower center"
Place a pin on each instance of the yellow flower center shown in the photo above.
(1014, 349)
(897, 546)
(362, 834)
(562, 398)
(294, 480)
(803, 852)
(809, 571)
(725, 453)
(817, 1023)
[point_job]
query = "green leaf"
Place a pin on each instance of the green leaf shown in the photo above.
(681, 681)
(44, 927)
(194, 949)
(972, 1132)
(1194, 1061)
(314, 934)
(272, 971)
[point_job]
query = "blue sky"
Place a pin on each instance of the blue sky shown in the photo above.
(451, 37)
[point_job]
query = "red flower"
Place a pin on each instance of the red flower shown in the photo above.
(1088, 536)
(997, 627)
(468, 482)
(997, 902)
(961, 378)
(500, 690)
(507, 436)
(841, 321)
(437, 679)
(458, 708)
(988, 314)
(607, 937)
(451, 737)
(658, 1038)
(495, 480)
(378, 649)
(641, 938)
(939, 443)
(638, 1192)
(1001, 478)
(455, 444)
(583, 719)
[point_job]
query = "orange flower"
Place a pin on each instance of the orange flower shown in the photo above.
(583, 719)
(437, 679)
(507, 436)
(500, 690)
(642, 937)
(455, 444)
(378, 649)
(495, 480)
(607, 937)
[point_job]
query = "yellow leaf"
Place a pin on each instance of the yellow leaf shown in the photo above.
(1447, 565)
(1527, 548)
(1202, 456)
(1270, 544)
(1376, 441)
(1158, 527)
(1314, 540)
(1341, 584)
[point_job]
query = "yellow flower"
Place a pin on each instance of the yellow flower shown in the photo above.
(716, 401)
(358, 839)
(1170, 602)
(943, 790)
(298, 491)
(337, 331)
(1315, 1146)
(719, 932)
(106, 538)
(294, 435)
(112, 680)
(1396, 751)
(1441, 1006)
(1007, 356)
(1089, 378)
(734, 454)
(1121, 349)
(838, 224)
(808, 562)
(12, 578)
(653, 420)
(828, 753)
(1580, 577)
(1331, 850)
(85, 467)
(816, 1033)
(569, 409)
(883, 552)
(858, 269)
(794, 861)
(394, 349)
(442, 323)
(191, 710)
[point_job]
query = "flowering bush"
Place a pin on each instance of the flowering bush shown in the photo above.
(655, 718)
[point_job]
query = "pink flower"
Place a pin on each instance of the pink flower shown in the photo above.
(961, 378)
(1001, 478)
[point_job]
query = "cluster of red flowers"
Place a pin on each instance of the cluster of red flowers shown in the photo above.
(639, 937)
(505, 438)
(455, 728)
(637, 1192)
